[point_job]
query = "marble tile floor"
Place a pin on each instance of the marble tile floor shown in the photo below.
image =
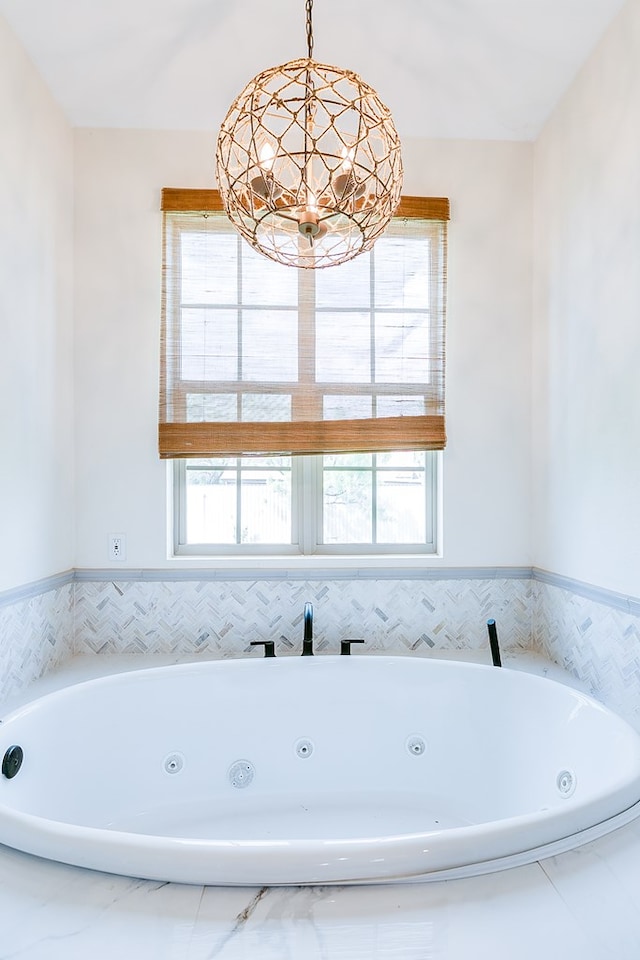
(584, 904)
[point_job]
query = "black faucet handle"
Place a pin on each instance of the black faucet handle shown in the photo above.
(345, 647)
(269, 646)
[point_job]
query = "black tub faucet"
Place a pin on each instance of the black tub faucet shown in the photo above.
(493, 643)
(307, 642)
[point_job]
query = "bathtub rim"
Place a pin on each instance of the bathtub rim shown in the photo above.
(130, 673)
(65, 832)
(480, 867)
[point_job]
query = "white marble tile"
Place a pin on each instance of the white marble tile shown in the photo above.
(217, 618)
(581, 905)
(600, 885)
(513, 914)
(54, 912)
(320, 923)
(37, 636)
(593, 640)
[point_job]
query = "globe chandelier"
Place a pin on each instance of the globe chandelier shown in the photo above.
(309, 163)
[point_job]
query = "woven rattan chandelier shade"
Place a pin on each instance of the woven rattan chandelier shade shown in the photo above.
(309, 163)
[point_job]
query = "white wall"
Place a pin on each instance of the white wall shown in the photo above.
(36, 377)
(587, 321)
(121, 484)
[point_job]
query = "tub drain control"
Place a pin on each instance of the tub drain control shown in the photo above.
(12, 761)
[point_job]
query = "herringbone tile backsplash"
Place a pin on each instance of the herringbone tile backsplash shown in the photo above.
(36, 636)
(595, 641)
(219, 619)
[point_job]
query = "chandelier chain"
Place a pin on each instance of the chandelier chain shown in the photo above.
(309, 29)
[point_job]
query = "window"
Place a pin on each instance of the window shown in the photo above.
(358, 503)
(262, 363)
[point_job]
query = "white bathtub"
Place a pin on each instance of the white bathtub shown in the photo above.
(314, 770)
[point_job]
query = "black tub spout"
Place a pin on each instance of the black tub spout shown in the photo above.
(307, 642)
(493, 642)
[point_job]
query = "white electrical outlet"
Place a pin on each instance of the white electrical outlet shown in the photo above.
(117, 546)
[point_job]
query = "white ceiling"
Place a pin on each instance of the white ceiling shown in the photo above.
(489, 69)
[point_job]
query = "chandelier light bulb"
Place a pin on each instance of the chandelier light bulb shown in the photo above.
(345, 182)
(267, 154)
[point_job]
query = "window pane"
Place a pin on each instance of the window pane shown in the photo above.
(348, 407)
(259, 463)
(402, 458)
(402, 348)
(265, 282)
(209, 268)
(221, 407)
(389, 406)
(266, 406)
(266, 506)
(343, 348)
(347, 460)
(209, 344)
(401, 515)
(270, 345)
(211, 506)
(353, 277)
(347, 506)
(402, 272)
(209, 463)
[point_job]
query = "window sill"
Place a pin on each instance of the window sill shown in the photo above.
(309, 566)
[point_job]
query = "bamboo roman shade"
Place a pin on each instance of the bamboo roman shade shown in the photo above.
(259, 358)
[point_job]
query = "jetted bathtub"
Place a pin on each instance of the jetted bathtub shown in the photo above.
(313, 770)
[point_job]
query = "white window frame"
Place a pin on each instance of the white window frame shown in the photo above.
(307, 519)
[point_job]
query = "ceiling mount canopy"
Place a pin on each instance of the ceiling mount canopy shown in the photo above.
(309, 163)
